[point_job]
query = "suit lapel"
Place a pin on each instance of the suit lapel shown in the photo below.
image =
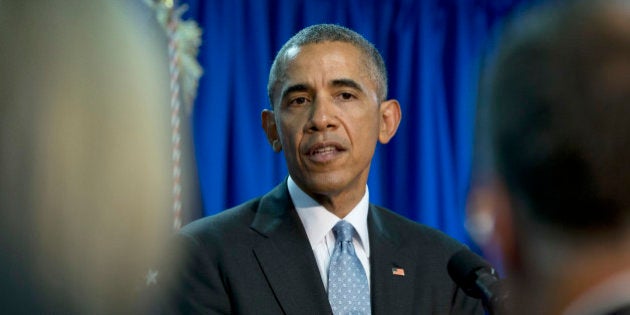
(390, 289)
(286, 257)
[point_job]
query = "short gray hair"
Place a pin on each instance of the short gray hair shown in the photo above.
(332, 33)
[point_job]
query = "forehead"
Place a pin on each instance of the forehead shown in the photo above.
(325, 54)
(322, 63)
(318, 61)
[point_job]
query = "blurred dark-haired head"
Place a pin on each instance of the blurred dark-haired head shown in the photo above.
(559, 115)
(550, 192)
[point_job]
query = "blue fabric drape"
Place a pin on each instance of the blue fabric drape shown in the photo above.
(432, 50)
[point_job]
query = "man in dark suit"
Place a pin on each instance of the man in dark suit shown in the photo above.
(271, 255)
(558, 104)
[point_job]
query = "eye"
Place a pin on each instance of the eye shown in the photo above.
(346, 96)
(298, 101)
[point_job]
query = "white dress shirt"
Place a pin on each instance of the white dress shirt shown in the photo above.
(318, 223)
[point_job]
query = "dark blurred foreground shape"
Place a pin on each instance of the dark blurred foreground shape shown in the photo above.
(551, 194)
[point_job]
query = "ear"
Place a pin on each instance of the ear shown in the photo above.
(491, 224)
(390, 119)
(268, 120)
(507, 236)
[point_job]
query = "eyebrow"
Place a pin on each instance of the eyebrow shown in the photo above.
(300, 87)
(347, 83)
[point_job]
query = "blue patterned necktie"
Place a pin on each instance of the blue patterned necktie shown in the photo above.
(348, 289)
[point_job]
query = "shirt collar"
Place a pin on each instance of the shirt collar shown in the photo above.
(318, 221)
(603, 298)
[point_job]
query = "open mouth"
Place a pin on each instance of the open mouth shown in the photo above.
(324, 152)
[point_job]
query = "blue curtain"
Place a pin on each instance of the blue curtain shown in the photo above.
(432, 50)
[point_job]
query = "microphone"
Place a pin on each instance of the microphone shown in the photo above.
(478, 279)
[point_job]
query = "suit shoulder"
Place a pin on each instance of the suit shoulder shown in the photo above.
(411, 232)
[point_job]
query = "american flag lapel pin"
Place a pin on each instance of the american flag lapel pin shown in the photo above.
(396, 271)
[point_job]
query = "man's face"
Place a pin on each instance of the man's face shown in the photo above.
(327, 117)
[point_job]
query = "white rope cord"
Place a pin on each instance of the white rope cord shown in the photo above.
(175, 123)
(183, 46)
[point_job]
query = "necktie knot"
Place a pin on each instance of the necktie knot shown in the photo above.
(343, 231)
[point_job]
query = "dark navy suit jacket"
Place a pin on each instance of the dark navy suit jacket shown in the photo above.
(256, 259)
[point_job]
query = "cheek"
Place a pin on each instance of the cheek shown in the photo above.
(367, 125)
(290, 136)
(364, 136)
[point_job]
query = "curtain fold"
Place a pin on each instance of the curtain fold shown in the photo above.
(432, 50)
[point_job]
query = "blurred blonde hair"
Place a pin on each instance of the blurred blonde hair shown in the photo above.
(85, 161)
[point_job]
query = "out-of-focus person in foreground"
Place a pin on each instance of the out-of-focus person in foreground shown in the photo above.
(85, 156)
(552, 196)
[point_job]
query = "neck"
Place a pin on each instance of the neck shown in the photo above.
(564, 274)
(339, 204)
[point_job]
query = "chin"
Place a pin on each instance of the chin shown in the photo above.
(326, 184)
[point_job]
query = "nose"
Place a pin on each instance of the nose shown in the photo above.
(322, 115)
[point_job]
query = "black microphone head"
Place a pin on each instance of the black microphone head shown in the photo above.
(464, 268)
(478, 279)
